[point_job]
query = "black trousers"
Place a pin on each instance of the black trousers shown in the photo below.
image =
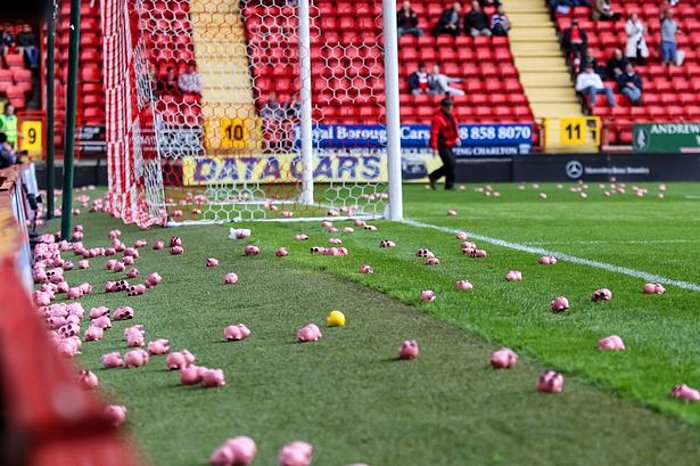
(448, 166)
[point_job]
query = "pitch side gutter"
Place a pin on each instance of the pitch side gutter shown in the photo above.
(561, 256)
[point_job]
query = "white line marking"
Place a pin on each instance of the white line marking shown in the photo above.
(565, 257)
(651, 241)
(692, 197)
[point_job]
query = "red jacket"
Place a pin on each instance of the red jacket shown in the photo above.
(441, 127)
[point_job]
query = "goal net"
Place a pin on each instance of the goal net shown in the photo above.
(223, 110)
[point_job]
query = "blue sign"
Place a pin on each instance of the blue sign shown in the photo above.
(477, 139)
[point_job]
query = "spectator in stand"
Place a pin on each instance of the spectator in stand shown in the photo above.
(272, 109)
(444, 135)
(476, 23)
(636, 49)
(439, 83)
(449, 22)
(490, 3)
(293, 107)
(407, 21)
(603, 11)
(29, 45)
(589, 84)
(8, 156)
(418, 80)
(590, 59)
(7, 40)
(167, 83)
(564, 6)
(630, 84)
(616, 64)
(500, 24)
(189, 82)
(8, 124)
(669, 45)
(575, 43)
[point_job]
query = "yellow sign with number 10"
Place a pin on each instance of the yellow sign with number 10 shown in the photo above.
(234, 133)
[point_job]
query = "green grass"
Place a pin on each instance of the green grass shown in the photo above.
(351, 399)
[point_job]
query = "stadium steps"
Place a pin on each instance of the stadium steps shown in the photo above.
(220, 47)
(539, 59)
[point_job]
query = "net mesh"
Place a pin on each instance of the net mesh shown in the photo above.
(204, 109)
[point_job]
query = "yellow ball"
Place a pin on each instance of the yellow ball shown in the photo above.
(336, 319)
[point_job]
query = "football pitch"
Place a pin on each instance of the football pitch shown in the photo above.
(348, 394)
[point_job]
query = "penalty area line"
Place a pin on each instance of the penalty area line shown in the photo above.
(649, 277)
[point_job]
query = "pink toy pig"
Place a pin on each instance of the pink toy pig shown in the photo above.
(686, 393)
(115, 415)
(251, 250)
(432, 261)
(154, 279)
(387, 243)
(88, 380)
(176, 361)
(611, 343)
(408, 350)
(451, 213)
(123, 313)
(461, 235)
(112, 360)
(514, 276)
(295, 454)
(134, 359)
(236, 332)
(550, 382)
(560, 304)
(230, 278)
(366, 269)
(281, 252)
(653, 288)
(99, 311)
(84, 264)
(547, 260)
(158, 245)
(212, 262)
(463, 285)
(191, 375)
(427, 296)
(504, 358)
(308, 333)
(132, 273)
(300, 237)
(101, 322)
(94, 333)
(213, 378)
(601, 294)
(176, 250)
(159, 346)
(243, 449)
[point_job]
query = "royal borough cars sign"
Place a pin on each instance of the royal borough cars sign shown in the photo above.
(660, 138)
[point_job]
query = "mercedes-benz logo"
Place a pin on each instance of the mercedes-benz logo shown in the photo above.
(574, 169)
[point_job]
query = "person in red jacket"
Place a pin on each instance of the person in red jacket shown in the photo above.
(444, 135)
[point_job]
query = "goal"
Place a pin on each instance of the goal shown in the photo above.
(221, 111)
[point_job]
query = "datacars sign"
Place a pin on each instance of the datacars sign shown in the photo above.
(478, 140)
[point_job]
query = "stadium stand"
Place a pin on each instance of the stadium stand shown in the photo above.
(493, 92)
(16, 84)
(90, 105)
(670, 94)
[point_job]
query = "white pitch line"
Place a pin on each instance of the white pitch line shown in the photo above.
(649, 277)
(692, 197)
(651, 241)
